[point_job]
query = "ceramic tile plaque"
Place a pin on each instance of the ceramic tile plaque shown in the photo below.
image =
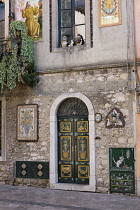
(65, 126)
(83, 148)
(31, 13)
(65, 148)
(66, 170)
(122, 172)
(115, 119)
(109, 12)
(27, 123)
(82, 126)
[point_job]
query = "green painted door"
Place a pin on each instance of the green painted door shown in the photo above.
(73, 150)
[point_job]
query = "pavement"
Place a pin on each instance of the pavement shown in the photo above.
(28, 198)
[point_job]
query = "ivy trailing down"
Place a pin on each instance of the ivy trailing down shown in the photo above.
(18, 65)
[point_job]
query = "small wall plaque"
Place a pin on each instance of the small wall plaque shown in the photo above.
(98, 117)
(109, 12)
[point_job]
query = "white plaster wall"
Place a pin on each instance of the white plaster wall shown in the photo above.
(109, 43)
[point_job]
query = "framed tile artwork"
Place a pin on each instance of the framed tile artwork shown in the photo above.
(30, 12)
(109, 12)
(27, 123)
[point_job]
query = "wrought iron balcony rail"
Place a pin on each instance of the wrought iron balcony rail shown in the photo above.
(3, 48)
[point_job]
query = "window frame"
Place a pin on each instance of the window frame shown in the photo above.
(2, 21)
(73, 24)
(54, 25)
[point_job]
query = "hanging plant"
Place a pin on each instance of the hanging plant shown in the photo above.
(19, 64)
(29, 76)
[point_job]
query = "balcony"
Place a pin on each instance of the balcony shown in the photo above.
(3, 49)
(6, 46)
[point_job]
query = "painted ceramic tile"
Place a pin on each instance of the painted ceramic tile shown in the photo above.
(122, 159)
(82, 148)
(65, 147)
(82, 126)
(109, 13)
(115, 119)
(65, 126)
(31, 13)
(66, 171)
(27, 122)
(122, 167)
(83, 171)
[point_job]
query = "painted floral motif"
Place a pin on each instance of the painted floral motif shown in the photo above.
(27, 122)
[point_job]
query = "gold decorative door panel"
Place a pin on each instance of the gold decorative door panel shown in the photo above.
(73, 149)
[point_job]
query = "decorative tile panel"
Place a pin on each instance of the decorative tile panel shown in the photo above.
(65, 148)
(82, 126)
(83, 171)
(66, 171)
(83, 148)
(115, 119)
(122, 176)
(109, 12)
(31, 169)
(65, 126)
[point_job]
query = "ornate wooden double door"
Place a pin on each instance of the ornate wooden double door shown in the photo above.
(73, 149)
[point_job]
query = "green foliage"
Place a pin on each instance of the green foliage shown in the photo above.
(29, 76)
(15, 66)
(2, 72)
(27, 48)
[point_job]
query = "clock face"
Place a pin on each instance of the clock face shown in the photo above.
(98, 117)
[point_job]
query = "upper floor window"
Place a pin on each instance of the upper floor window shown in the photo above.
(71, 17)
(2, 20)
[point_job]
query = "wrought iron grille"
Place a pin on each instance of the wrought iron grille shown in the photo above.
(3, 48)
(7, 45)
(72, 107)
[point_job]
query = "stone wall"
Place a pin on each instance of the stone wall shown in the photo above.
(106, 88)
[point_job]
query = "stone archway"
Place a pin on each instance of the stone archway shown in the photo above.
(54, 142)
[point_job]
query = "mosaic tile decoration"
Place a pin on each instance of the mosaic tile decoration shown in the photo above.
(109, 12)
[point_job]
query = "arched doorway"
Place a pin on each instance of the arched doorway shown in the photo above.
(54, 182)
(73, 142)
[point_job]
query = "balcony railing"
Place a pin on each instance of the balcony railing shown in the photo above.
(7, 45)
(3, 48)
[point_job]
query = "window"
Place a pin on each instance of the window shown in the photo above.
(79, 19)
(71, 20)
(2, 20)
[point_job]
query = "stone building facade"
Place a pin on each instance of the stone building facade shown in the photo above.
(100, 73)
